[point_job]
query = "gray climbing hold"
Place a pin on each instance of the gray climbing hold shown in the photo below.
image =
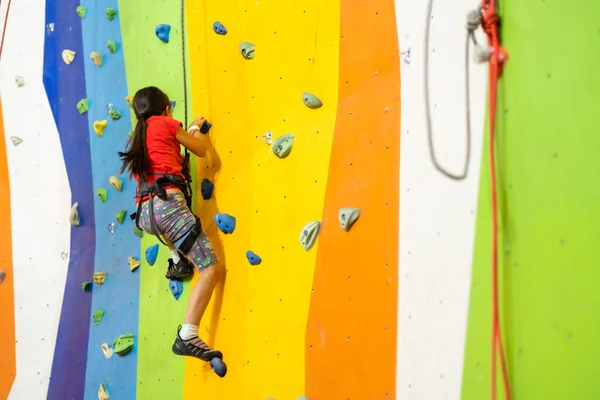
(110, 13)
(16, 140)
(347, 217)
(116, 183)
(19, 81)
(219, 28)
(309, 234)
(74, 215)
(114, 114)
(2, 276)
(98, 314)
(302, 398)
(247, 50)
(101, 193)
(96, 58)
(282, 146)
(83, 106)
(81, 10)
(311, 101)
(112, 46)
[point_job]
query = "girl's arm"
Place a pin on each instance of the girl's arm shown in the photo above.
(195, 142)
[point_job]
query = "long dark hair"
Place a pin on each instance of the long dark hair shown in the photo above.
(147, 102)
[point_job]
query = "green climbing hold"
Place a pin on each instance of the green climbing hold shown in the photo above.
(138, 232)
(247, 50)
(86, 286)
(110, 13)
(101, 193)
(81, 11)
(121, 216)
(311, 101)
(282, 146)
(98, 314)
(130, 133)
(82, 106)
(112, 46)
(114, 114)
(124, 344)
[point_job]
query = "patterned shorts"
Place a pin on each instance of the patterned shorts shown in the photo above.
(173, 218)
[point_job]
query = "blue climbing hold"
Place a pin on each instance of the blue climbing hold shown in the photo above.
(219, 28)
(253, 258)
(225, 222)
(173, 103)
(176, 288)
(151, 254)
(207, 187)
(163, 31)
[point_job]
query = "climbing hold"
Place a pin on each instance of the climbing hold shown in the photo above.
(116, 183)
(347, 217)
(112, 46)
(2, 276)
(74, 215)
(302, 398)
(133, 263)
(129, 100)
(86, 286)
(129, 133)
(247, 50)
(16, 140)
(82, 106)
(102, 393)
(282, 146)
(96, 58)
(120, 217)
(176, 288)
(101, 193)
(99, 127)
(19, 81)
(162, 32)
(311, 101)
(172, 103)
(110, 13)
(225, 222)
(151, 254)
(107, 350)
(253, 258)
(218, 366)
(111, 228)
(81, 11)
(98, 314)
(114, 114)
(268, 137)
(219, 28)
(124, 344)
(68, 56)
(205, 127)
(64, 255)
(309, 234)
(206, 188)
(138, 232)
(99, 278)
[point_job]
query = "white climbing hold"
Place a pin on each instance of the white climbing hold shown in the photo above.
(268, 137)
(64, 255)
(111, 228)
(68, 56)
(116, 183)
(2, 276)
(50, 26)
(16, 140)
(482, 53)
(19, 81)
(107, 350)
(102, 393)
(406, 56)
(74, 215)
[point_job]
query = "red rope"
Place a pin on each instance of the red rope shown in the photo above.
(499, 56)
(4, 27)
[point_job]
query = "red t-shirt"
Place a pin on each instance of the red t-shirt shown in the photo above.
(164, 151)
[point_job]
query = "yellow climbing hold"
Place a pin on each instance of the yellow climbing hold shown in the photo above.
(133, 263)
(68, 56)
(116, 183)
(99, 127)
(129, 100)
(102, 393)
(96, 58)
(99, 278)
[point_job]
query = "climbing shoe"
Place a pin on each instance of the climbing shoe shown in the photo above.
(194, 347)
(180, 270)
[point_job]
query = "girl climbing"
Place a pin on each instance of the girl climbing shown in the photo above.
(163, 196)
